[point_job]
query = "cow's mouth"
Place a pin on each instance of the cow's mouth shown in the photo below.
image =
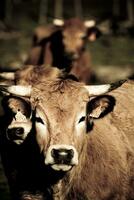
(71, 56)
(61, 167)
(61, 157)
(19, 141)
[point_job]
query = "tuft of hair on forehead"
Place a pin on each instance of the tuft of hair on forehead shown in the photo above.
(64, 83)
(31, 75)
(58, 89)
(74, 22)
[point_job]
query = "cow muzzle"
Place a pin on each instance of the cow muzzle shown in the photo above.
(17, 132)
(72, 55)
(61, 157)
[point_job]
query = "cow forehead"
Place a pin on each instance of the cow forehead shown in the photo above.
(74, 32)
(60, 96)
(74, 27)
(74, 23)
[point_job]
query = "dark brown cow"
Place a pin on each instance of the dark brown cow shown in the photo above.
(41, 33)
(65, 48)
(60, 159)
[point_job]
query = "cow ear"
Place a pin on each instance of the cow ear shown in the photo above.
(14, 104)
(93, 33)
(100, 106)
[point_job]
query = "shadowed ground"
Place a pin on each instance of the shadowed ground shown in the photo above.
(4, 190)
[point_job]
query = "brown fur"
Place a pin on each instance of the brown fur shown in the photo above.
(40, 33)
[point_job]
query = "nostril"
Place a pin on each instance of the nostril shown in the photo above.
(71, 153)
(54, 153)
(14, 133)
(19, 131)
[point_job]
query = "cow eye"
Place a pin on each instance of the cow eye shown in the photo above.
(39, 120)
(81, 119)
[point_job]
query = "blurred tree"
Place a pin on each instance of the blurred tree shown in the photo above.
(78, 8)
(58, 9)
(130, 10)
(8, 12)
(43, 11)
(116, 8)
(17, 1)
(2, 10)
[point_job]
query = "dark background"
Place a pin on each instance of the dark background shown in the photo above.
(112, 54)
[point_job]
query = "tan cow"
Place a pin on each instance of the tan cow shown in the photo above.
(76, 162)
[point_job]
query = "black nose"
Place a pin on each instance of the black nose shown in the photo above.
(15, 133)
(62, 156)
(72, 55)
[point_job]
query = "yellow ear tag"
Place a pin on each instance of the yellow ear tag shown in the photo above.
(20, 117)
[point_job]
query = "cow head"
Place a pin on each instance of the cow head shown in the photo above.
(18, 113)
(75, 33)
(64, 110)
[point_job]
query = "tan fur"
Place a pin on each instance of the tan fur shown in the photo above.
(18, 105)
(31, 75)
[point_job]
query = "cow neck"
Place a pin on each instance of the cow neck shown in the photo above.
(80, 54)
(67, 62)
(57, 191)
(61, 188)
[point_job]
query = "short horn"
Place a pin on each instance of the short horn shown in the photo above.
(89, 23)
(58, 22)
(95, 90)
(7, 75)
(19, 90)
